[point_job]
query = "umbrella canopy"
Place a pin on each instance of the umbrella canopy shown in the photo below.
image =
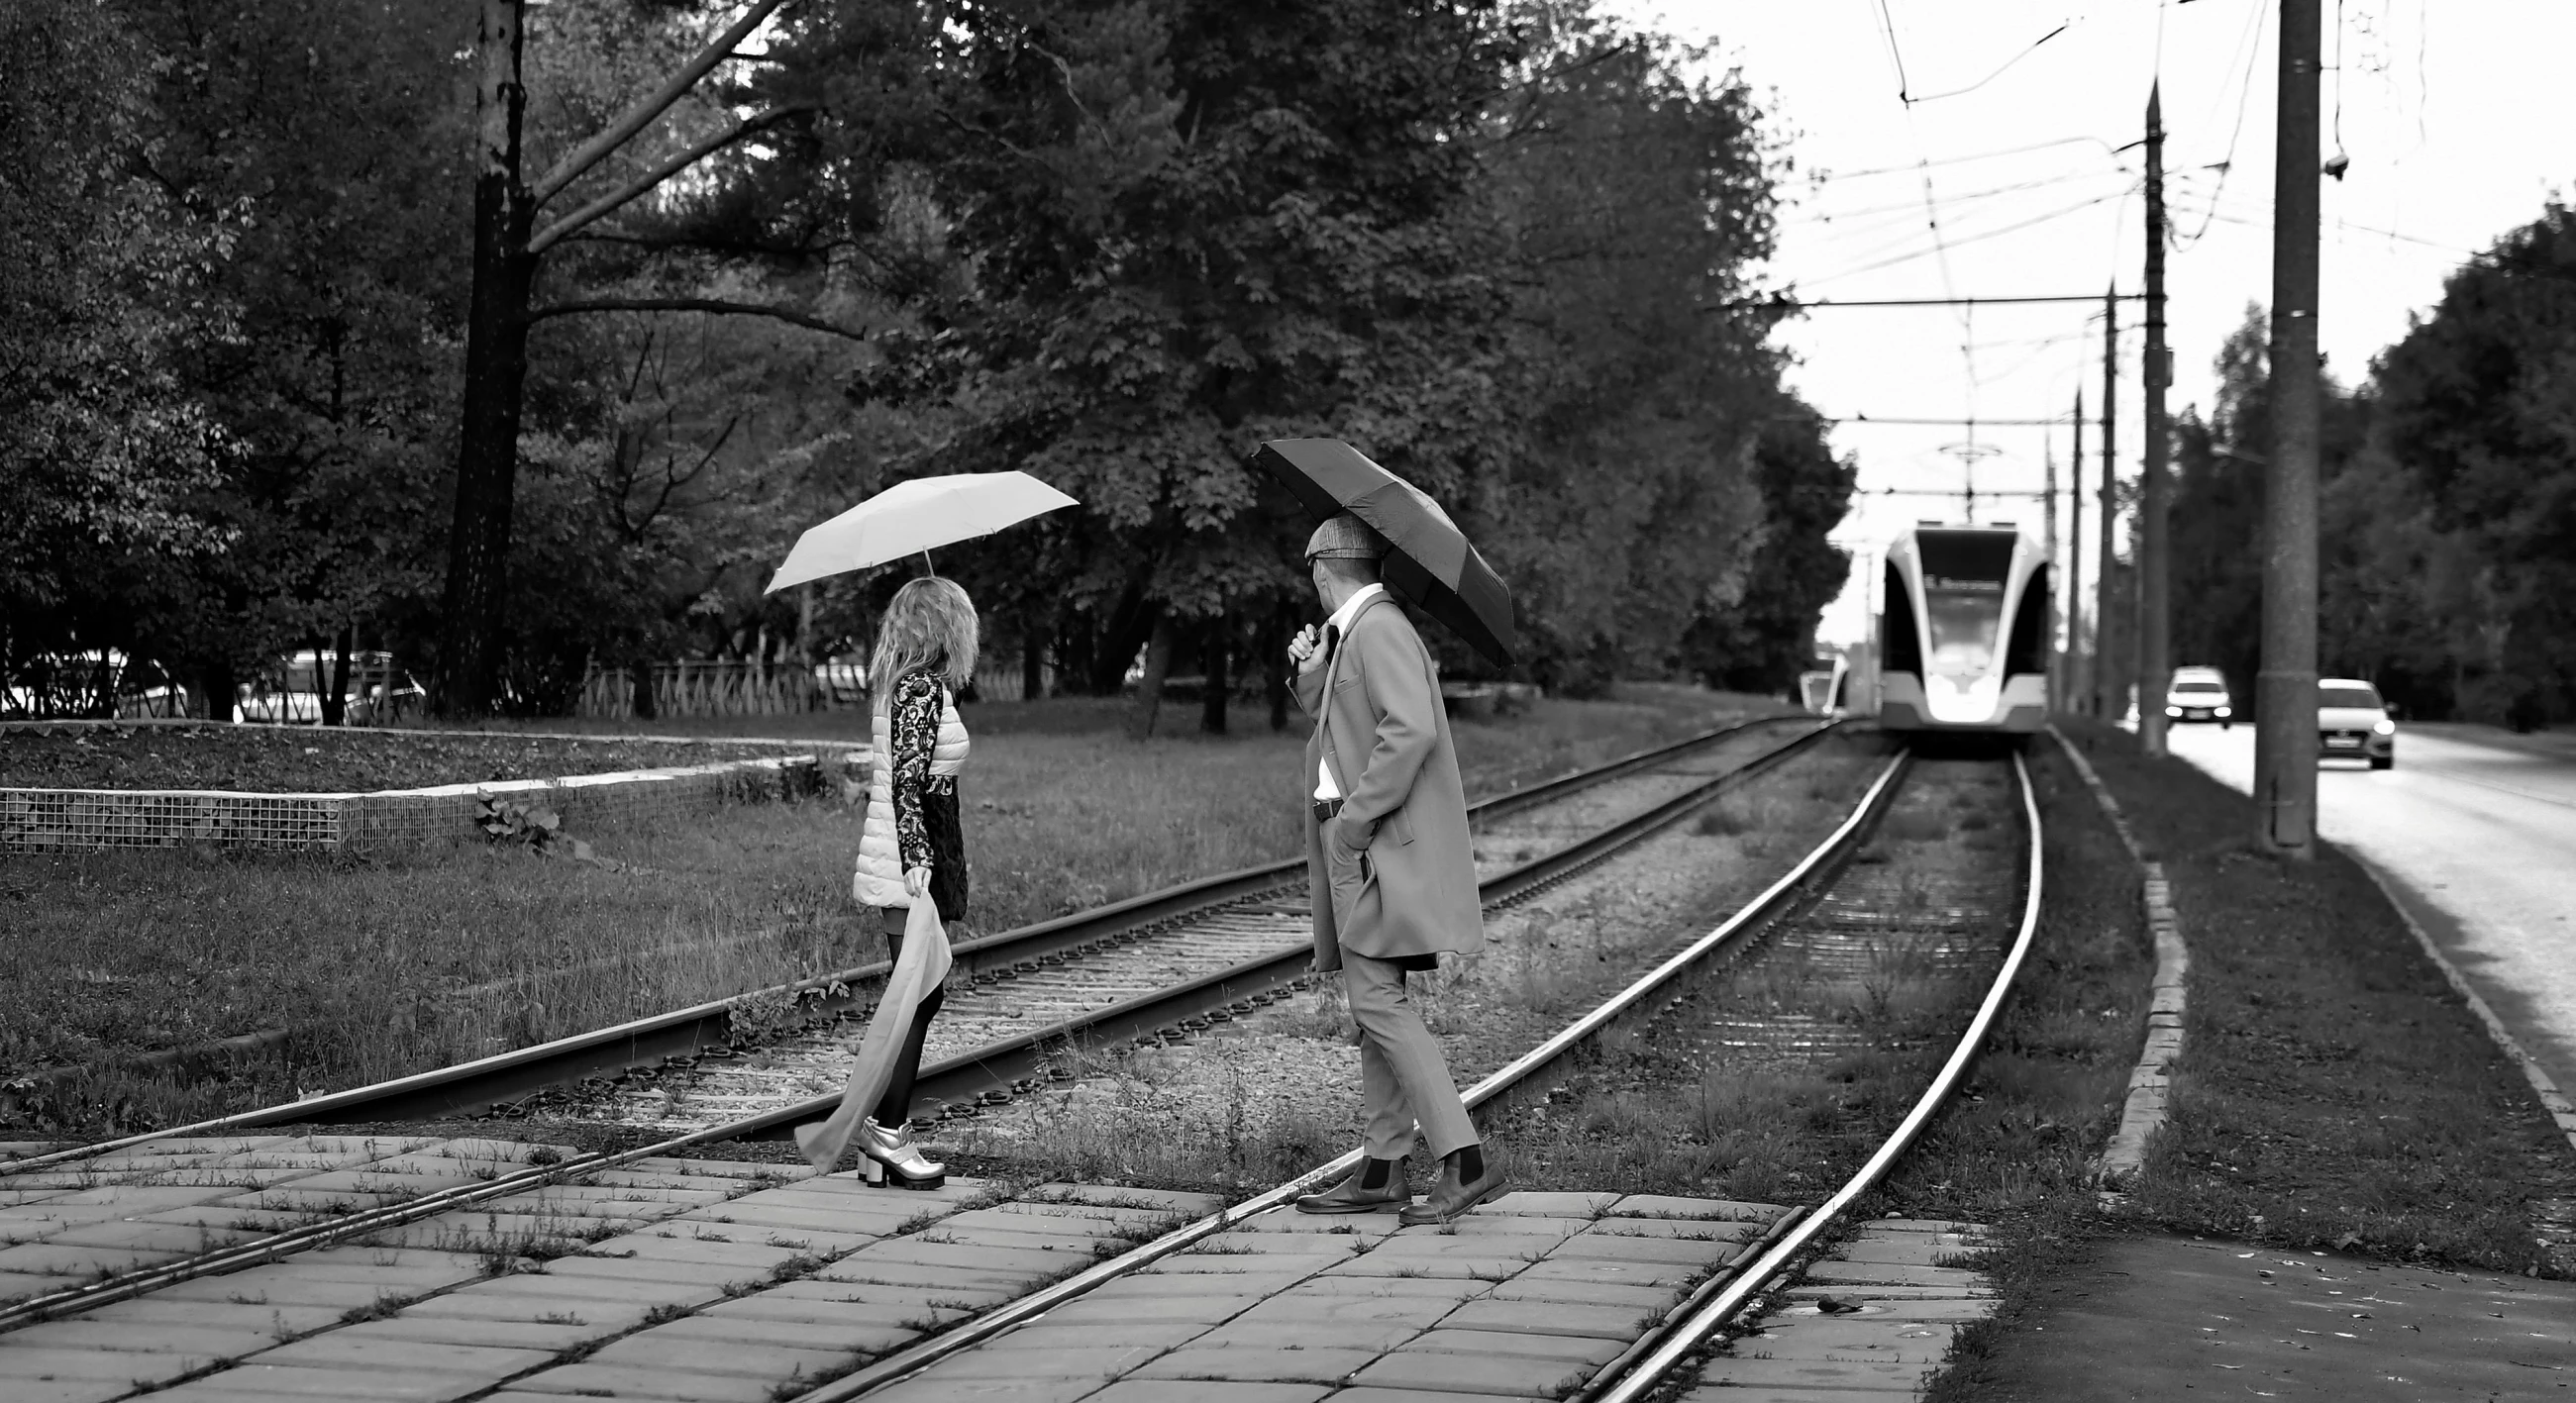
(913, 516)
(1429, 561)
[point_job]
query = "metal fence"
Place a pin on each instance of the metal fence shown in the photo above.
(752, 687)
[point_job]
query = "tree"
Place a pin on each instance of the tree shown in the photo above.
(103, 451)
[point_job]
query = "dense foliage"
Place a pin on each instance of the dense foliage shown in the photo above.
(1510, 250)
(2448, 512)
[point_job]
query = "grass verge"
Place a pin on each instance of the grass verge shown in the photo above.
(2292, 1124)
(385, 967)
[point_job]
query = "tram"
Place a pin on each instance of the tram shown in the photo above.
(1963, 632)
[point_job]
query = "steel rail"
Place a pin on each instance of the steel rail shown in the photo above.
(974, 1070)
(470, 1087)
(1685, 1331)
(1772, 902)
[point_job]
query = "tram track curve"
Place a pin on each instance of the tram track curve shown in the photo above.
(991, 1067)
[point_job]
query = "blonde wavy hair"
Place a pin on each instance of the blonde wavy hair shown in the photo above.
(931, 623)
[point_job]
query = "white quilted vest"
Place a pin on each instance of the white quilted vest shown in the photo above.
(879, 878)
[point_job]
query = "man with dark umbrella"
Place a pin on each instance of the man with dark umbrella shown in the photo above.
(1391, 871)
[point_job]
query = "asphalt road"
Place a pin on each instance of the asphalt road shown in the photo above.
(2477, 829)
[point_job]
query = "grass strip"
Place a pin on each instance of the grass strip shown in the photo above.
(384, 967)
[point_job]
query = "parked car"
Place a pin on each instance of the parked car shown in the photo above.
(289, 691)
(2353, 723)
(2200, 694)
(97, 682)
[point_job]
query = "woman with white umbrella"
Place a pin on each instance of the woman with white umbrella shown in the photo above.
(912, 851)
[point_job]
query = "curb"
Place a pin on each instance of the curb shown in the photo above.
(2552, 1099)
(2151, 1083)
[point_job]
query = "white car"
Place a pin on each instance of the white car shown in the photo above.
(289, 691)
(2199, 694)
(2353, 724)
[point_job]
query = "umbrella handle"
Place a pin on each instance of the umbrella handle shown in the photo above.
(926, 567)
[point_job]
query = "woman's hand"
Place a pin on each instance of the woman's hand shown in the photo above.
(917, 881)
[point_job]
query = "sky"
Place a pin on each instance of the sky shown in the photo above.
(2004, 176)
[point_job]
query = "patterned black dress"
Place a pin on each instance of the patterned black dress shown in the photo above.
(926, 827)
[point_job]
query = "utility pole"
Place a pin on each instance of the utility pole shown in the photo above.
(2074, 583)
(2285, 691)
(2155, 617)
(2106, 695)
(2056, 661)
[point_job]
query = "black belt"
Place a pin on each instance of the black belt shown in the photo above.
(1326, 808)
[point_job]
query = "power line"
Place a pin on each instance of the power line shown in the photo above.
(1943, 249)
(1997, 154)
(2090, 298)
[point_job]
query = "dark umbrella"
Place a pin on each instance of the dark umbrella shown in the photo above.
(1429, 563)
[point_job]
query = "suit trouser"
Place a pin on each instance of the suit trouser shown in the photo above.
(1403, 1077)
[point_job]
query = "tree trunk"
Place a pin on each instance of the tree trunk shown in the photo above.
(222, 688)
(1219, 642)
(639, 675)
(1274, 662)
(1032, 655)
(496, 372)
(1149, 693)
(1127, 628)
(335, 685)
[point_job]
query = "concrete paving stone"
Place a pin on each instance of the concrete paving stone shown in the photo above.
(925, 1389)
(1317, 1311)
(1680, 1251)
(1519, 1203)
(1426, 1395)
(1532, 1228)
(1774, 1394)
(1133, 1218)
(1681, 1229)
(1284, 1244)
(1637, 1299)
(546, 1286)
(203, 1342)
(765, 1218)
(120, 1201)
(1610, 1273)
(1514, 1375)
(809, 1241)
(632, 1178)
(1048, 1333)
(933, 1282)
(1114, 1312)
(697, 1354)
(1365, 1226)
(18, 1286)
(1929, 1253)
(807, 1313)
(840, 1293)
(1840, 1338)
(594, 1380)
(253, 1381)
(359, 1263)
(1283, 1273)
(551, 1339)
(269, 1288)
(1418, 1243)
(1108, 1195)
(1463, 1268)
(155, 1311)
(1046, 1219)
(1319, 1365)
(848, 1334)
(1608, 1322)
(1206, 1391)
(689, 1248)
(54, 1259)
(1445, 1288)
(1887, 1274)
(315, 1203)
(1569, 1351)
(1061, 1244)
(1810, 1373)
(603, 1201)
(630, 1268)
(21, 1363)
(374, 1180)
(1949, 1225)
(248, 1221)
(1277, 1332)
(1251, 1263)
(1019, 1262)
(185, 1239)
(1709, 1209)
(355, 1349)
(1000, 1359)
(593, 1318)
(52, 1390)
(747, 1169)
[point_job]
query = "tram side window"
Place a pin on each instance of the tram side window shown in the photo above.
(1902, 647)
(2027, 652)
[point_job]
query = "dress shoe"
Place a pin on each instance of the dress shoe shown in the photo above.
(1450, 1198)
(1348, 1197)
(893, 1158)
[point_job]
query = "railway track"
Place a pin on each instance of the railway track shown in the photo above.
(1177, 915)
(1831, 910)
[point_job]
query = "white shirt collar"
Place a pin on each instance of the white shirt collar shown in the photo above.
(1341, 618)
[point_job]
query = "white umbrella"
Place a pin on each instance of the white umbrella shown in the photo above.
(912, 517)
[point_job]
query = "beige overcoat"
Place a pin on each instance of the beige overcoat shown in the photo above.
(1395, 874)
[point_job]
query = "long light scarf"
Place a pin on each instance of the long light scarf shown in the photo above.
(917, 971)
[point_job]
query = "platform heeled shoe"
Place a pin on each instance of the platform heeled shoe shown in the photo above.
(892, 1158)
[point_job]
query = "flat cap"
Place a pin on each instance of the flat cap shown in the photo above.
(1345, 537)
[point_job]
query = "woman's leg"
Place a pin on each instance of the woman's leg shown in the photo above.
(895, 1107)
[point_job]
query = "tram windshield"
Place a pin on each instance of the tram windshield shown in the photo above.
(1963, 596)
